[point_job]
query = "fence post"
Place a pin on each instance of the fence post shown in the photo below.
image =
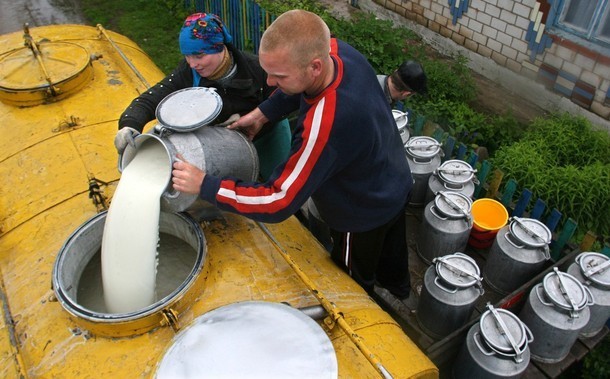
(568, 230)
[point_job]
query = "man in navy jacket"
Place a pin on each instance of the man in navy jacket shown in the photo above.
(346, 152)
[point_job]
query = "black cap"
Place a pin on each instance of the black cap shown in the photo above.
(413, 76)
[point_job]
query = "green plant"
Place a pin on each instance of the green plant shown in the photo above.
(564, 161)
(153, 25)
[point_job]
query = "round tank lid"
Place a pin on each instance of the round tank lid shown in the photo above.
(530, 231)
(565, 291)
(455, 171)
(458, 270)
(252, 339)
(422, 147)
(453, 204)
(595, 267)
(189, 109)
(503, 331)
(46, 71)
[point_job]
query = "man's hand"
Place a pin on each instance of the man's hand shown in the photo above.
(124, 137)
(186, 177)
(251, 123)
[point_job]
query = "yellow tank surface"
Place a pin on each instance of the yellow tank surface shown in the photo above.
(60, 100)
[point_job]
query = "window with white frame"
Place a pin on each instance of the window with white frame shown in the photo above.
(588, 19)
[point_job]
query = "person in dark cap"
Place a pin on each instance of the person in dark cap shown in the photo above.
(408, 79)
(211, 60)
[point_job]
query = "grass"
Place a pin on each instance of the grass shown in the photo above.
(153, 25)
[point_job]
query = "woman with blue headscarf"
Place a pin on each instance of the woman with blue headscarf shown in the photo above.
(211, 60)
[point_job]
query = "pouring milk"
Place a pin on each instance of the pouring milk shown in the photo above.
(131, 231)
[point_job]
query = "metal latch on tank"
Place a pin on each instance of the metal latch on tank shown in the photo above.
(170, 317)
(97, 195)
(71, 122)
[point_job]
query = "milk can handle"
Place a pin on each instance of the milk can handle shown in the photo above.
(437, 282)
(476, 338)
(453, 188)
(423, 161)
(538, 286)
(528, 333)
(432, 210)
(590, 297)
(507, 238)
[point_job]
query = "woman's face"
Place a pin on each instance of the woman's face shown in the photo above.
(204, 64)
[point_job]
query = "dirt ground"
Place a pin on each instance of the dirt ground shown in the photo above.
(493, 98)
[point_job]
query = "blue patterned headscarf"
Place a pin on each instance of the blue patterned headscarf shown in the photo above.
(203, 33)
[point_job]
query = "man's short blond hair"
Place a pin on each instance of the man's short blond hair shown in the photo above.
(303, 34)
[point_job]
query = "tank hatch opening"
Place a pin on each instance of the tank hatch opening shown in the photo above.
(43, 71)
(181, 272)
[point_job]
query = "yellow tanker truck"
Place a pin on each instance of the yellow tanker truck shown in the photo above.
(62, 89)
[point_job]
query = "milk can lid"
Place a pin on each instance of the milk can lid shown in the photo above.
(565, 291)
(499, 327)
(189, 109)
(455, 171)
(530, 231)
(453, 204)
(458, 270)
(595, 267)
(422, 147)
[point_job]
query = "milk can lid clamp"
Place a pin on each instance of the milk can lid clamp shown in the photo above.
(188, 109)
(530, 231)
(453, 204)
(455, 171)
(595, 267)
(504, 332)
(565, 291)
(423, 147)
(458, 270)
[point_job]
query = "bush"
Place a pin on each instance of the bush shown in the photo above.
(566, 163)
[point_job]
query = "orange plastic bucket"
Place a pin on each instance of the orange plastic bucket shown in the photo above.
(488, 216)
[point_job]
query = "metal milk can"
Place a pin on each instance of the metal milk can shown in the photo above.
(495, 347)
(453, 175)
(519, 252)
(183, 117)
(449, 292)
(445, 226)
(556, 311)
(402, 123)
(593, 270)
(424, 156)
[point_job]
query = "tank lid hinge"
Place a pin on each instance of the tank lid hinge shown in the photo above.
(170, 317)
(97, 195)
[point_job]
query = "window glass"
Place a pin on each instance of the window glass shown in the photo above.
(604, 26)
(588, 19)
(579, 14)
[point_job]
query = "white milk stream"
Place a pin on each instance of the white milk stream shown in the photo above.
(131, 231)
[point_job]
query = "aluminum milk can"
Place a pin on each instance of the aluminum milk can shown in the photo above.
(495, 347)
(593, 270)
(402, 123)
(445, 226)
(424, 156)
(519, 252)
(556, 311)
(453, 175)
(450, 290)
(183, 118)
